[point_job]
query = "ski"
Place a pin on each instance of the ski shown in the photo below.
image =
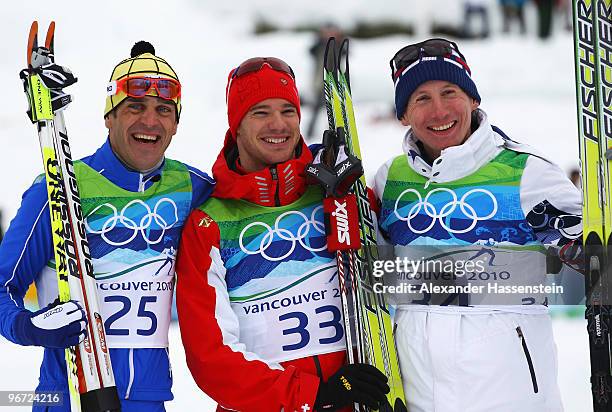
(368, 328)
(593, 65)
(90, 377)
(376, 324)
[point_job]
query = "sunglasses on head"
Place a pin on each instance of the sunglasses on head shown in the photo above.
(166, 88)
(256, 63)
(428, 48)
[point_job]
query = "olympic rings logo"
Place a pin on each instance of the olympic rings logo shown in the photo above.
(446, 211)
(126, 222)
(285, 234)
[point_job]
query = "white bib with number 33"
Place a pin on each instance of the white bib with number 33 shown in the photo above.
(299, 320)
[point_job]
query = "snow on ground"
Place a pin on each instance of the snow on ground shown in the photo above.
(526, 87)
(20, 370)
(20, 373)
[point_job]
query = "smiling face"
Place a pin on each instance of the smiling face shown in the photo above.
(268, 134)
(440, 115)
(140, 130)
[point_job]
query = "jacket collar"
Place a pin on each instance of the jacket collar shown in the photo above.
(105, 162)
(277, 185)
(457, 161)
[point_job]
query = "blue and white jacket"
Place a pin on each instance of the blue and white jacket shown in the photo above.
(140, 373)
(486, 194)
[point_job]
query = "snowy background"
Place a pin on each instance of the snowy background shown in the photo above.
(526, 85)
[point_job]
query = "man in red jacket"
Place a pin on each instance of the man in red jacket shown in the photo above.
(257, 293)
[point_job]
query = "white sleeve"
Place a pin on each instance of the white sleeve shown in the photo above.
(543, 180)
(550, 201)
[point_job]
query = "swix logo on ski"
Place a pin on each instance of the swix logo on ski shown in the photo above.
(342, 224)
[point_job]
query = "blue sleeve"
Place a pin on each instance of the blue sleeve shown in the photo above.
(24, 251)
(315, 147)
(202, 186)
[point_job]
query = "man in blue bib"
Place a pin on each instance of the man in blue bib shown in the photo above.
(473, 211)
(135, 201)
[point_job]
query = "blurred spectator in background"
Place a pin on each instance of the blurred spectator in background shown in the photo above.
(545, 14)
(472, 9)
(511, 10)
(574, 176)
(317, 50)
(564, 7)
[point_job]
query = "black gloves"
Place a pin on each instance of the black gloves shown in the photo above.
(53, 76)
(333, 166)
(357, 383)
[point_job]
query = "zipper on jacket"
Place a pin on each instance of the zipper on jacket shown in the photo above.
(317, 363)
(131, 377)
(274, 174)
(519, 332)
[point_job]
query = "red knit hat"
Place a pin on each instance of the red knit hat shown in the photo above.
(244, 91)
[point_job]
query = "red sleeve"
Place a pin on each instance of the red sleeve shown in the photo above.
(218, 361)
(374, 203)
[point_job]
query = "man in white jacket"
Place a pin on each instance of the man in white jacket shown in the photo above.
(463, 194)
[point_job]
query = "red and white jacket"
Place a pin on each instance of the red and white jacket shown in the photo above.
(219, 362)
